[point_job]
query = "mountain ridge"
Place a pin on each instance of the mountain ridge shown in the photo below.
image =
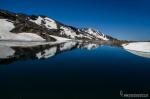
(43, 27)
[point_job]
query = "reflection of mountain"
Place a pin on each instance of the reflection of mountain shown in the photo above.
(50, 51)
(12, 53)
(138, 53)
(88, 46)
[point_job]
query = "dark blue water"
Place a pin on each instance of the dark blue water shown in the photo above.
(76, 74)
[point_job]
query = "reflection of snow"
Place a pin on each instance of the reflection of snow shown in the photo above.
(47, 53)
(26, 44)
(138, 46)
(90, 46)
(6, 52)
(45, 50)
(67, 45)
(53, 50)
(142, 54)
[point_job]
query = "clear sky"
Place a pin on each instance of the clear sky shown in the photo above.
(123, 19)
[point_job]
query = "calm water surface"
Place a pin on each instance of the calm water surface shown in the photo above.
(72, 71)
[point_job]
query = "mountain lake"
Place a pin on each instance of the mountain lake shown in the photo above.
(71, 70)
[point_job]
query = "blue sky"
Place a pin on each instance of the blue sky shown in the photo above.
(123, 19)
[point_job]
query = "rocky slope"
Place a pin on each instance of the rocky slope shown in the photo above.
(22, 27)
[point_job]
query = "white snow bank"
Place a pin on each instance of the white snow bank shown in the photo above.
(29, 37)
(5, 34)
(60, 38)
(28, 43)
(5, 26)
(138, 46)
(21, 43)
(21, 37)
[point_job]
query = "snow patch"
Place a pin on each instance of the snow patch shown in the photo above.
(21, 37)
(67, 31)
(5, 34)
(22, 43)
(96, 34)
(29, 37)
(38, 21)
(48, 23)
(6, 26)
(51, 24)
(60, 39)
(138, 46)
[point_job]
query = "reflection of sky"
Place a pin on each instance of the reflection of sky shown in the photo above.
(124, 19)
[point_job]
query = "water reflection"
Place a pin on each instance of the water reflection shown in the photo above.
(13, 53)
(9, 54)
(141, 54)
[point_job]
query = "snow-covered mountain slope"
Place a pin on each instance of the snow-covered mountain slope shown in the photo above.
(5, 34)
(6, 26)
(95, 33)
(18, 26)
(47, 22)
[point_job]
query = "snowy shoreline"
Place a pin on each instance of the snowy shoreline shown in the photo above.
(138, 46)
(28, 43)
